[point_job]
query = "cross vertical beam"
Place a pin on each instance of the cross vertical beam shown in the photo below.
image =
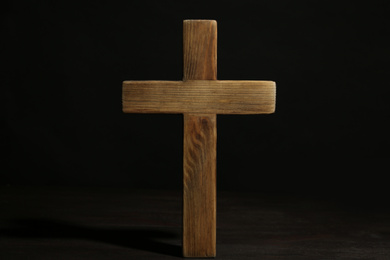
(200, 144)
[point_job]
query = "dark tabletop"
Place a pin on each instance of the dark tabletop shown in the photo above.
(118, 223)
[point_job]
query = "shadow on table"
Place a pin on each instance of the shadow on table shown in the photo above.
(142, 238)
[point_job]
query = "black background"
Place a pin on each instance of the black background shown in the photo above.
(65, 62)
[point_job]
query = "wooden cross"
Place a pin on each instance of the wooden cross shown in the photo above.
(199, 97)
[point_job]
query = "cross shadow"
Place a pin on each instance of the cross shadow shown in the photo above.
(142, 238)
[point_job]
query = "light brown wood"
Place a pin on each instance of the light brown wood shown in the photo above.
(199, 96)
(200, 49)
(200, 140)
(199, 185)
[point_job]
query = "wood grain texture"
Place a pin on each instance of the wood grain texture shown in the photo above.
(199, 96)
(200, 142)
(200, 49)
(199, 181)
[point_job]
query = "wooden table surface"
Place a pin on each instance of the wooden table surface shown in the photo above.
(117, 223)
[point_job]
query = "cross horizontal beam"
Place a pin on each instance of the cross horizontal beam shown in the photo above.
(199, 96)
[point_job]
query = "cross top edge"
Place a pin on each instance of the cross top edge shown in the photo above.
(199, 20)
